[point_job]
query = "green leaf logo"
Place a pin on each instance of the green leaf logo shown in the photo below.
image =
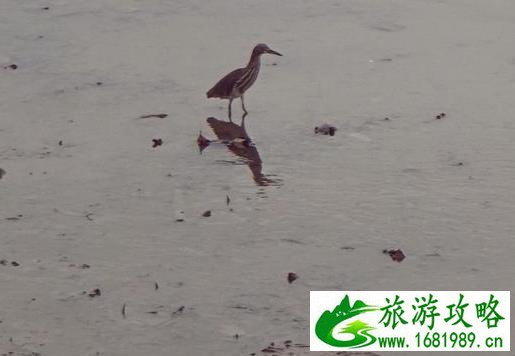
(357, 329)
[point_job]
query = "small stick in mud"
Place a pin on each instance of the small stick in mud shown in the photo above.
(179, 310)
(159, 116)
(123, 310)
(94, 293)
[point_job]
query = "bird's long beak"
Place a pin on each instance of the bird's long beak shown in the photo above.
(273, 52)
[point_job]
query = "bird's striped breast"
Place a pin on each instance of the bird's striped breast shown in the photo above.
(247, 79)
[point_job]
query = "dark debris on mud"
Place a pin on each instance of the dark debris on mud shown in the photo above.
(290, 348)
(286, 347)
(297, 349)
(149, 116)
(11, 66)
(325, 129)
(292, 276)
(396, 254)
(156, 142)
(6, 263)
(94, 293)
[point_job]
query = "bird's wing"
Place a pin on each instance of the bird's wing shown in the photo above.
(223, 88)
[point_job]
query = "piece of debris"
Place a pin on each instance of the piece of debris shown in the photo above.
(94, 293)
(46, 8)
(304, 346)
(292, 276)
(99, 83)
(179, 220)
(236, 336)
(272, 349)
(15, 264)
(179, 310)
(123, 310)
(156, 142)
(156, 286)
(396, 254)
(440, 116)
(202, 142)
(2, 173)
(14, 218)
(159, 116)
(347, 248)
(3, 262)
(227, 200)
(207, 213)
(386, 119)
(325, 129)
(11, 66)
(60, 143)
(84, 266)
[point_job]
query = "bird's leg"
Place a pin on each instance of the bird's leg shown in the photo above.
(229, 109)
(243, 121)
(243, 105)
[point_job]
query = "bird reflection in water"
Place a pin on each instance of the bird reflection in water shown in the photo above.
(236, 139)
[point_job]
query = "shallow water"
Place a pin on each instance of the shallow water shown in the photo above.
(441, 190)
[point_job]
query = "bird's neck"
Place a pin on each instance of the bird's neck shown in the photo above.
(255, 60)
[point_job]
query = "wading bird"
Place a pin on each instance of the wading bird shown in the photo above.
(236, 83)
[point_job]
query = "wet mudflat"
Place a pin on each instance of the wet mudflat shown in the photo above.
(84, 185)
